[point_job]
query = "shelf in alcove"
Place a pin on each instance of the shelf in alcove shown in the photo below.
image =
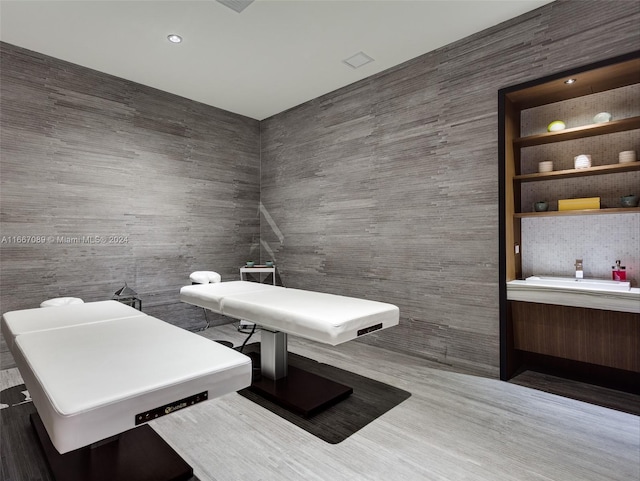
(579, 132)
(563, 174)
(560, 213)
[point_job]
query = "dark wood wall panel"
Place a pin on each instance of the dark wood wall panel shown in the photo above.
(88, 154)
(388, 189)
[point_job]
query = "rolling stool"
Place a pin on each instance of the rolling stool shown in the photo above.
(61, 301)
(208, 277)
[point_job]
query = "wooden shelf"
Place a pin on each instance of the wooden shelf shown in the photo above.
(563, 174)
(556, 213)
(579, 132)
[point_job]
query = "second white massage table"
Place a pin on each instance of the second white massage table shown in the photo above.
(321, 317)
(98, 372)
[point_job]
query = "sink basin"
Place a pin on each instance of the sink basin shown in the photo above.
(582, 284)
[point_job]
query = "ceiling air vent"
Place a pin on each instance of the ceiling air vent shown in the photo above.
(236, 5)
(358, 60)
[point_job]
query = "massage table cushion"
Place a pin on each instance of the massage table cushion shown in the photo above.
(41, 319)
(321, 317)
(89, 380)
(210, 296)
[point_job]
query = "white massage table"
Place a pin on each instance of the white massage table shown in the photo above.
(325, 318)
(98, 370)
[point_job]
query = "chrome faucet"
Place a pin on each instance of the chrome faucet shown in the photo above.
(578, 266)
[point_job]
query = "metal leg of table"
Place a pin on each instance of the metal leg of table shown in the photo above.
(273, 354)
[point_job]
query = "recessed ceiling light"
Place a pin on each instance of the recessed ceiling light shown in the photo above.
(358, 60)
(173, 38)
(570, 81)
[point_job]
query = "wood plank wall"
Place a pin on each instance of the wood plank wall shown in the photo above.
(174, 182)
(388, 189)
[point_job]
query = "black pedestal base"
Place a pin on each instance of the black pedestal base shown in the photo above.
(139, 454)
(301, 392)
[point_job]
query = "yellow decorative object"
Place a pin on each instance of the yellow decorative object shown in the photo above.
(556, 126)
(579, 204)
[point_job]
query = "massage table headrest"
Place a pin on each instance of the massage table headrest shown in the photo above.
(61, 301)
(205, 277)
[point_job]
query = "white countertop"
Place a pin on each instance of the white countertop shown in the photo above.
(623, 301)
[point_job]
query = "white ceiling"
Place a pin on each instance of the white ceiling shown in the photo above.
(274, 55)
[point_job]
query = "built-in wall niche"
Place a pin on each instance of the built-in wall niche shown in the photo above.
(548, 243)
(526, 111)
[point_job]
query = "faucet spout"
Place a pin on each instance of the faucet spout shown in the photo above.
(579, 271)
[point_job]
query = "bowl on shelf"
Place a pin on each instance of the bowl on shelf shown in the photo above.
(601, 118)
(627, 156)
(269, 263)
(629, 200)
(251, 263)
(541, 206)
(546, 166)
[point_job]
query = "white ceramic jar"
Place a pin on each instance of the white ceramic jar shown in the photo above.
(582, 161)
(627, 156)
(546, 166)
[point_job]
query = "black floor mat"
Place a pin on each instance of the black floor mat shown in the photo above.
(370, 400)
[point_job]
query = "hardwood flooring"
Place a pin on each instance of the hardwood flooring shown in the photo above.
(455, 426)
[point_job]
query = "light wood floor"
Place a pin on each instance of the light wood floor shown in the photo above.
(455, 426)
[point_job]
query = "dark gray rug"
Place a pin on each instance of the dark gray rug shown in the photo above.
(370, 400)
(23, 460)
(22, 456)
